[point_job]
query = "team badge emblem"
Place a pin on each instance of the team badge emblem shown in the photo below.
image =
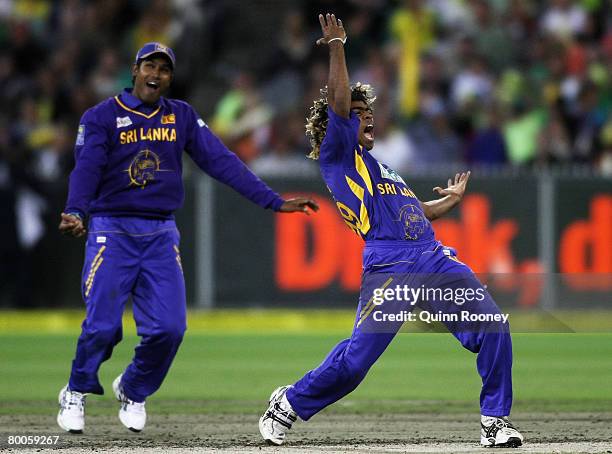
(412, 222)
(143, 168)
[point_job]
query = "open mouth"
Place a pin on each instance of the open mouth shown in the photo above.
(368, 132)
(153, 85)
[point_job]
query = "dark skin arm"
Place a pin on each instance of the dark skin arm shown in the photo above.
(338, 89)
(453, 194)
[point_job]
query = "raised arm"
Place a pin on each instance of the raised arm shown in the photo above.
(453, 194)
(338, 90)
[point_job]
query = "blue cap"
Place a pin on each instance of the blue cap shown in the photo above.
(155, 48)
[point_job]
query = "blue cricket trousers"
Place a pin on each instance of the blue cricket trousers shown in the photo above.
(434, 265)
(139, 257)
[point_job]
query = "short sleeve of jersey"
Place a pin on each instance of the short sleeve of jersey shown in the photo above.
(342, 136)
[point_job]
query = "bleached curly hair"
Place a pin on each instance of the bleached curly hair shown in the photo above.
(316, 123)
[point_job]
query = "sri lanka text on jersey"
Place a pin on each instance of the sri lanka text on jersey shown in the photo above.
(152, 134)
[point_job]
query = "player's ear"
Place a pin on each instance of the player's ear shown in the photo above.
(134, 69)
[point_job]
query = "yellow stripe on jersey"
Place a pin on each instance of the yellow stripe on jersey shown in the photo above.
(357, 190)
(369, 307)
(364, 219)
(362, 170)
(151, 115)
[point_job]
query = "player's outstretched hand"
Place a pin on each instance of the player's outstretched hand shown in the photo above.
(299, 204)
(457, 188)
(332, 29)
(72, 225)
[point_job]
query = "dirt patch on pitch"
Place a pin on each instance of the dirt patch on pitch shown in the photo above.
(329, 433)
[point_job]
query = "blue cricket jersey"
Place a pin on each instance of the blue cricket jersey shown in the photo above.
(373, 199)
(129, 160)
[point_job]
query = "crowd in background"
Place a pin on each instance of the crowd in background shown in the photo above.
(515, 83)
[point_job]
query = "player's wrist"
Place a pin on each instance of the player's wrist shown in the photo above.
(337, 40)
(455, 198)
(75, 214)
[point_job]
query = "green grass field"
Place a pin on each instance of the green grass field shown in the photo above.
(233, 370)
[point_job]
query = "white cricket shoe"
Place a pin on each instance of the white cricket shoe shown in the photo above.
(71, 416)
(131, 414)
(499, 432)
(278, 418)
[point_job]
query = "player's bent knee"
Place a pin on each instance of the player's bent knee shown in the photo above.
(105, 336)
(170, 331)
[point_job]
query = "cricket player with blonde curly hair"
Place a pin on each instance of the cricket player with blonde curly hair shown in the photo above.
(377, 205)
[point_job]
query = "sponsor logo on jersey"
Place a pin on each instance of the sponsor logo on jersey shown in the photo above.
(122, 122)
(169, 119)
(80, 140)
(390, 174)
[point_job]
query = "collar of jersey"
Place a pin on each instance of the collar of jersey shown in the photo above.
(131, 103)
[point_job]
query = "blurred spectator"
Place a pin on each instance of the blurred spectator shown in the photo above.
(435, 143)
(412, 28)
(492, 41)
(554, 143)
(284, 70)
(564, 18)
(392, 145)
(107, 79)
(27, 51)
(488, 148)
(9, 247)
(156, 24)
(605, 160)
(242, 118)
(587, 121)
(521, 135)
(286, 154)
(473, 83)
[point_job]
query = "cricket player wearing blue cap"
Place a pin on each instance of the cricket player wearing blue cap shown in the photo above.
(127, 180)
(377, 205)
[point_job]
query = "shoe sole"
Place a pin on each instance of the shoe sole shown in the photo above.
(513, 442)
(72, 431)
(131, 429)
